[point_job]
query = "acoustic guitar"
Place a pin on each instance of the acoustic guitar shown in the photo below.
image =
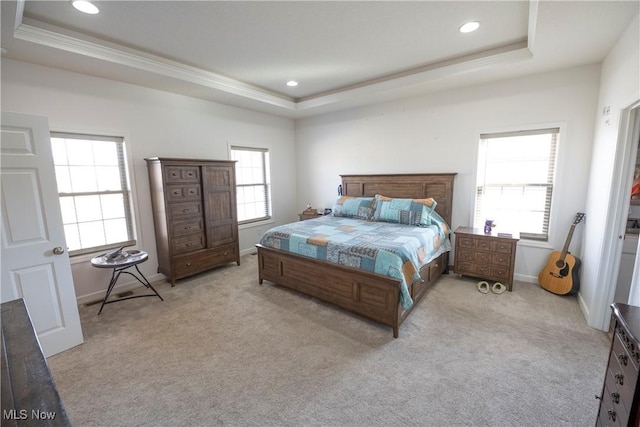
(561, 274)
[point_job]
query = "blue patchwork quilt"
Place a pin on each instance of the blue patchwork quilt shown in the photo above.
(394, 250)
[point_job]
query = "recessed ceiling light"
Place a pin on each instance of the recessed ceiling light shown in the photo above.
(469, 27)
(85, 6)
(292, 83)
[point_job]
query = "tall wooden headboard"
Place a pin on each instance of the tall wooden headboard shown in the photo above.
(413, 186)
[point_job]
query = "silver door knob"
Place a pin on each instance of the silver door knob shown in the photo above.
(58, 250)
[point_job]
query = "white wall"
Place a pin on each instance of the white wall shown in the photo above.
(154, 123)
(619, 88)
(440, 133)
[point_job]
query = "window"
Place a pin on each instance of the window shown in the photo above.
(94, 191)
(515, 181)
(252, 183)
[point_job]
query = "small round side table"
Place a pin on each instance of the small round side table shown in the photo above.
(119, 263)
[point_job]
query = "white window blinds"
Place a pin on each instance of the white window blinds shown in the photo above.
(93, 187)
(515, 181)
(252, 183)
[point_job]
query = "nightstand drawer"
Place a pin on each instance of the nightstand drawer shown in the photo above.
(466, 242)
(501, 259)
(505, 248)
(483, 257)
(466, 256)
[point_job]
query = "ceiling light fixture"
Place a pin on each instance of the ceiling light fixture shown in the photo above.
(85, 6)
(292, 83)
(469, 27)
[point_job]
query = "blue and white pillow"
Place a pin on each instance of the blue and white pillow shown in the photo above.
(404, 211)
(354, 207)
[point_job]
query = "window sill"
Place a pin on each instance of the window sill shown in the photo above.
(255, 224)
(534, 244)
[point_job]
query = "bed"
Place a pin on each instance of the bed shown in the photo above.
(380, 297)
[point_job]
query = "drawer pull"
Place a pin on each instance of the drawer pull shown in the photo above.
(622, 358)
(188, 227)
(188, 244)
(188, 264)
(185, 210)
(615, 397)
(612, 414)
(619, 379)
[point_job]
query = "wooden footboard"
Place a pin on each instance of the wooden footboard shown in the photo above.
(368, 294)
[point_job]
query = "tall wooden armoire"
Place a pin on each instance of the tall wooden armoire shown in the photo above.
(194, 213)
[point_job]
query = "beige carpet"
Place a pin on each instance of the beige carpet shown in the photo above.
(223, 350)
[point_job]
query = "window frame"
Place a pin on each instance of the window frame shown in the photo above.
(530, 239)
(130, 207)
(266, 182)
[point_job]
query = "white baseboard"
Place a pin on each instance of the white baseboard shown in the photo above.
(119, 288)
(525, 278)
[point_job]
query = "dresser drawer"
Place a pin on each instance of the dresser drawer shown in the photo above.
(179, 174)
(186, 227)
(620, 363)
(185, 209)
(178, 193)
(611, 409)
(181, 245)
(616, 397)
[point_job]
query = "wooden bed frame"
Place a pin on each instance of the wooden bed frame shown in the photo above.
(370, 295)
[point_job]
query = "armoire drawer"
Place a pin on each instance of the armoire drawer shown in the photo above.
(186, 265)
(185, 209)
(179, 174)
(185, 244)
(178, 193)
(189, 226)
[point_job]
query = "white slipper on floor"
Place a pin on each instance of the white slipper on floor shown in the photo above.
(483, 287)
(498, 288)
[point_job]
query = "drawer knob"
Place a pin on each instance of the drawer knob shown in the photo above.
(612, 414)
(622, 358)
(615, 397)
(619, 379)
(226, 253)
(188, 244)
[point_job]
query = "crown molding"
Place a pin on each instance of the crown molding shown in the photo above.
(47, 35)
(146, 62)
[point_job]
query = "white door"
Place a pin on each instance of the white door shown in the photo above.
(35, 264)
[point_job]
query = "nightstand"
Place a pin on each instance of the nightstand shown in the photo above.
(485, 255)
(309, 215)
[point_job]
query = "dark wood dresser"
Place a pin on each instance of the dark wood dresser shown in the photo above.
(194, 214)
(485, 255)
(619, 403)
(29, 394)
